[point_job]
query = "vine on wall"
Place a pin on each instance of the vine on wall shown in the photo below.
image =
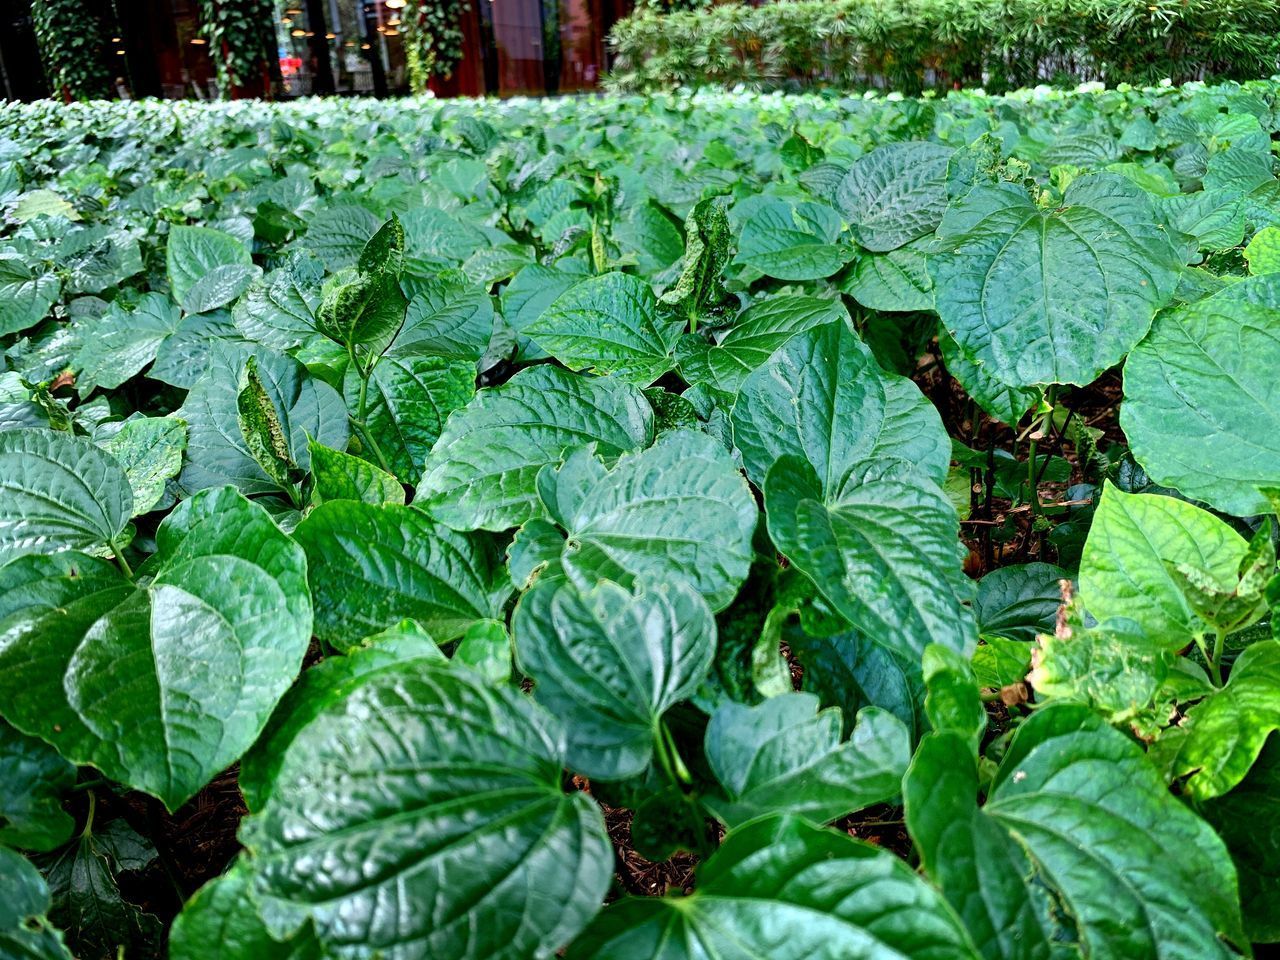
(72, 37)
(237, 31)
(432, 32)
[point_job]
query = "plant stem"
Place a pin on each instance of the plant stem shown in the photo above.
(1215, 661)
(124, 564)
(88, 820)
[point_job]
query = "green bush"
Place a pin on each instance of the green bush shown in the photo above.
(913, 45)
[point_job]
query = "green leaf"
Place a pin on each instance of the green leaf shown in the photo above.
(895, 193)
(610, 664)
(1114, 667)
(822, 397)
(280, 310)
(481, 473)
(1006, 404)
(699, 291)
(85, 898)
(33, 780)
(1099, 824)
(406, 404)
(441, 830)
(609, 324)
(1020, 601)
(371, 566)
(882, 548)
(260, 427)
(26, 296)
(217, 452)
(678, 509)
(1218, 741)
(486, 649)
(896, 281)
(149, 450)
(221, 922)
(120, 343)
(161, 685)
(1236, 817)
(340, 476)
(785, 755)
(319, 687)
(58, 492)
(1201, 407)
(978, 864)
(1214, 218)
(1124, 571)
(758, 331)
(1263, 251)
(793, 242)
(25, 931)
(337, 234)
(435, 241)
(43, 203)
(784, 889)
(193, 254)
(953, 702)
(446, 319)
(1052, 295)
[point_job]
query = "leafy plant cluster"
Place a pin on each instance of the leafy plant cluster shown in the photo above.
(72, 35)
(914, 45)
(432, 31)
(871, 502)
(239, 34)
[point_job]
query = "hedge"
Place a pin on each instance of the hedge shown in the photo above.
(913, 45)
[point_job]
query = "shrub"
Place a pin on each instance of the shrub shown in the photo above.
(913, 45)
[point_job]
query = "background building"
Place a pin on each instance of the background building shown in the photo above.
(157, 48)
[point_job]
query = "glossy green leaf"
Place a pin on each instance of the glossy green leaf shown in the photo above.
(699, 291)
(822, 397)
(1200, 405)
(760, 330)
(678, 509)
(1007, 404)
(1244, 818)
(26, 294)
(406, 404)
(372, 566)
(149, 450)
(895, 193)
(882, 548)
(193, 254)
(161, 685)
(217, 452)
(33, 780)
(486, 649)
(340, 476)
(481, 473)
(58, 492)
(793, 242)
(896, 281)
(787, 756)
(1125, 569)
(977, 863)
(1052, 295)
(1263, 251)
(25, 930)
(319, 687)
(953, 702)
(446, 319)
(1020, 601)
(221, 922)
(784, 889)
(610, 664)
(85, 897)
(609, 324)
(441, 830)
(1216, 744)
(1100, 824)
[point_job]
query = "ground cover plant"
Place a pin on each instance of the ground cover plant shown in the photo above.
(719, 526)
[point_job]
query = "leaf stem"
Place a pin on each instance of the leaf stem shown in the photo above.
(88, 820)
(124, 564)
(1215, 661)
